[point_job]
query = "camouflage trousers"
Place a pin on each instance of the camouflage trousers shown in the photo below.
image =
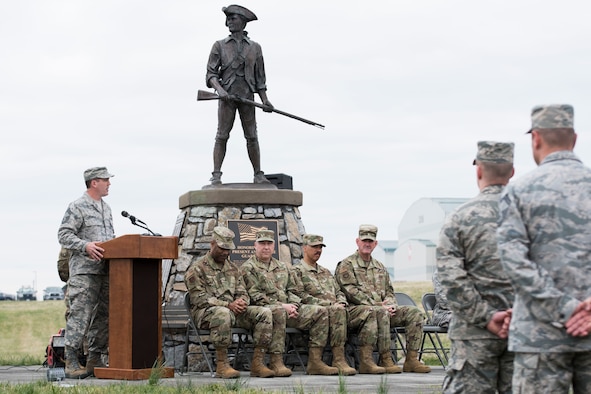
(337, 324)
(552, 373)
(88, 297)
(219, 320)
(479, 366)
(409, 317)
(362, 319)
(313, 318)
(373, 325)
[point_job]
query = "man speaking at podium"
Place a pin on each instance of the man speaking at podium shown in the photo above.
(88, 221)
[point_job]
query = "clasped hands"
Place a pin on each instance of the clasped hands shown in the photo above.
(579, 324)
(499, 323)
(291, 309)
(238, 306)
(390, 308)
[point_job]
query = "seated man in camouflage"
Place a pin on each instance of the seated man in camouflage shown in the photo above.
(441, 312)
(366, 283)
(269, 283)
(219, 301)
(316, 285)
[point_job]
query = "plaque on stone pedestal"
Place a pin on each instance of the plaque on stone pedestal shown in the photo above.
(245, 231)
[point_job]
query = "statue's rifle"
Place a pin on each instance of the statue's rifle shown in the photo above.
(204, 95)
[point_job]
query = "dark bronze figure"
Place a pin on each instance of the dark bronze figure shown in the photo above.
(236, 69)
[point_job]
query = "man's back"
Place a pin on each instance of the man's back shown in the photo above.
(545, 244)
(469, 267)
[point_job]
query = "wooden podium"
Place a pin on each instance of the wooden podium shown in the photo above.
(135, 313)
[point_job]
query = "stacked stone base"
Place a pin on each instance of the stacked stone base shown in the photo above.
(201, 211)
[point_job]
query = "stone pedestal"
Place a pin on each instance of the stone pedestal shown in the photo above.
(202, 210)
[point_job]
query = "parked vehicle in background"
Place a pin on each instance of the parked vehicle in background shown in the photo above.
(26, 293)
(6, 297)
(53, 293)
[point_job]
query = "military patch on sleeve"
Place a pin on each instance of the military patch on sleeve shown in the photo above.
(190, 277)
(346, 275)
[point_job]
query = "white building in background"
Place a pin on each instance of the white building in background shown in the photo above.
(412, 257)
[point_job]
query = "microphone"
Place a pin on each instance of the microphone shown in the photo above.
(127, 215)
(132, 218)
(135, 222)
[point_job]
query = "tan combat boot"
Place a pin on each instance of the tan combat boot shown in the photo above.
(278, 367)
(412, 363)
(315, 364)
(366, 362)
(93, 361)
(339, 361)
(258, 367)
(223, 369)
(73, 368)
(388, 364)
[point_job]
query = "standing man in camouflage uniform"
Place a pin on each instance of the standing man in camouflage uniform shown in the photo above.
(478, 291)
(88, 221)
(219, 301)
(544, 239)
(270, 283)
(236, 68)
(366, 283)
(317, 286)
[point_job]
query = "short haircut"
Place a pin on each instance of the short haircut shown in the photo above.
(496, 171)
(559, 137)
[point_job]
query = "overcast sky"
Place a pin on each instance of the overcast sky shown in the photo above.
(404, 88)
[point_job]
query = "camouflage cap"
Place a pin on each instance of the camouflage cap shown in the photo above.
(554, 116)
(97, 172)
(494, 152)
(224, 237)
(368, 231)
(247, 14)
(313, 240)
(265, 235)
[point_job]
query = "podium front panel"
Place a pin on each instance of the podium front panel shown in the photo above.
(146, 306)
(134, 313)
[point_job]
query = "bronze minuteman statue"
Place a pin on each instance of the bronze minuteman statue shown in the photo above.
(236, 69)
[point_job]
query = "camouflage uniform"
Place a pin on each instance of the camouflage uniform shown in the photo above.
(441, 312)
(472, 277)
(272, 285)
(212, 287)
(366, 286)
(317, 286)
(87, 220)
(544, 238)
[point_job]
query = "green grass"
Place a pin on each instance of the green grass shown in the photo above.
(124, 388)
(414, 289)
(26, 328)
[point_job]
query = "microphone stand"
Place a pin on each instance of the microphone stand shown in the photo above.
(144, 227)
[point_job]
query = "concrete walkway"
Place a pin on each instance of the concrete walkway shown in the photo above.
(298, 382)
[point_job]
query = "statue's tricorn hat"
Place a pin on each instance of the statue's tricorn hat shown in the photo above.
(247, 14)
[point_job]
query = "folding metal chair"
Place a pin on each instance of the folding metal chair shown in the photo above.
(206, 347)
(432, 331)
(403, 299)
(292, 348)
